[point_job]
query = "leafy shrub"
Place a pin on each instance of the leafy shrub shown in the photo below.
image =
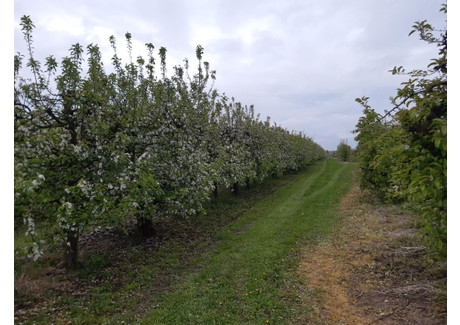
(344, 151)
(403, 154)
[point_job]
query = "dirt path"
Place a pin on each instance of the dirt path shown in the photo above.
(373, 271)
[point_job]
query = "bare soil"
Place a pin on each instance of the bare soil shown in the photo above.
(374, 270)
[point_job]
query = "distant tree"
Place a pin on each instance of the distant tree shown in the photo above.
(343, 151)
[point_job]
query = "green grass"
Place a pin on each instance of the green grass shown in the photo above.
(227, 267)
(242, 280)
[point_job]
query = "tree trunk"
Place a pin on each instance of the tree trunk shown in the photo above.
(236, 188)
(70, 257)
(145, 227)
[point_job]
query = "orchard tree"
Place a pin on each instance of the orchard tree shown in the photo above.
(96, 149)
(344, 151)
(61, 137)
(404, 151)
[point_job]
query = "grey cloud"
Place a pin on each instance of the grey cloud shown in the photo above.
(302, 62)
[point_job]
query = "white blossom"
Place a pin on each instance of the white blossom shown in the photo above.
(77, 148)
(36, 252)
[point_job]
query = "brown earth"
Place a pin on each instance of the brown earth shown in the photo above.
(374, 270)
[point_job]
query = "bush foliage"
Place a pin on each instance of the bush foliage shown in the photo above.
(403, 153)
(344, 151)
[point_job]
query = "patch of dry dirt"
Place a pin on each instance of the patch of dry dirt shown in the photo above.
(374, 270)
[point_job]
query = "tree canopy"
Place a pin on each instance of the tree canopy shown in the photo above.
(403, 153)
(96, 148)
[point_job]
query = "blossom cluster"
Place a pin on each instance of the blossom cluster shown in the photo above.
(100, 148)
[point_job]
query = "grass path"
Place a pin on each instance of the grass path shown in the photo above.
(242, 280)
(301, 249)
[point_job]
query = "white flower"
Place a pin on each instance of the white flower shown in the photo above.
(36, 252)
(40, 176)
(77, 149)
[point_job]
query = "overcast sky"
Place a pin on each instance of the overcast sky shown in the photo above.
(302, 63)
